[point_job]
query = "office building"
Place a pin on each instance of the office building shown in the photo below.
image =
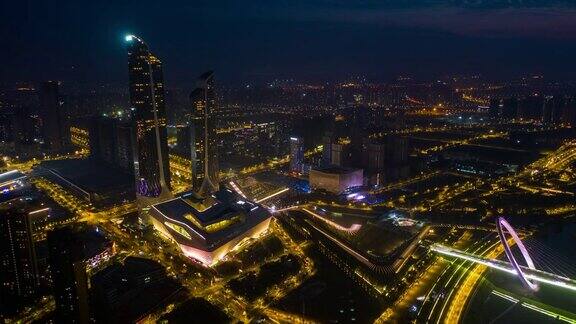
(327, 149)
(70, 283)
(55, 129)
(151, 166)
(385, 159)
(18, 265)
(296, 154)
(111, 142)
(184, 142)
(204, 156)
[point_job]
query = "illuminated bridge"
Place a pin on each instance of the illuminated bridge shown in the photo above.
(528, 275)
(531, 274)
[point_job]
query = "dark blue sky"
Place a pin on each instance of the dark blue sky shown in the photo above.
(81, 42)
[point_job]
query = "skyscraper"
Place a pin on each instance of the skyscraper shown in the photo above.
(18, 268)
(327, 149)
(296, 154)
(111, 142)
(151, 166)
(205, 153)
(55, 126)
(68, 269)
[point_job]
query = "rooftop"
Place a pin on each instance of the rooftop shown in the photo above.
(89, 175)
(210, 222)
(336, 170)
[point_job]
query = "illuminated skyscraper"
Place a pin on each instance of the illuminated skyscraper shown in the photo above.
(149, 118)
(205, 153)
(296, 154)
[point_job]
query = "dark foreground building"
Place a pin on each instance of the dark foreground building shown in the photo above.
(55, 124)
(127, 292)
(66, 259)
(18, 266)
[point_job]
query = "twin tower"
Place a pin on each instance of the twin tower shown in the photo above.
(151, 164)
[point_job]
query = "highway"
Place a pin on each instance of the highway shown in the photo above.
(532, 274)
(439, 296)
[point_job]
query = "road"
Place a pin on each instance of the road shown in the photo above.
(438, 297)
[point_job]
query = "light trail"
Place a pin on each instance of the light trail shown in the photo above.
(447, 300)
(454, 272)
(535, 308)
(533, 274)
(238, 191)
(355, 254)
(272, 195)
(352, 229)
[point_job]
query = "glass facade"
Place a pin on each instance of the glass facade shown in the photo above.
(149, 118)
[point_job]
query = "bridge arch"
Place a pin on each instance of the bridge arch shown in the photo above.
(502, 224)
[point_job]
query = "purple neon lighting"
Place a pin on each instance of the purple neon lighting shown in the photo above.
(501, 222)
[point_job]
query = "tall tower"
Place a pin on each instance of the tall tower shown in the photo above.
(296, 154)
(205, 153)
(149, 119)
(55, 126)
(18, 267)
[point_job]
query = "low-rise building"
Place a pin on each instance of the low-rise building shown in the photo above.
(206, 229)
(336, 179)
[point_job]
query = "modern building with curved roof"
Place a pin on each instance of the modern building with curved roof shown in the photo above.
(206, 229)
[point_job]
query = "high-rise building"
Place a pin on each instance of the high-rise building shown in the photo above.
(205, 153)
(68, 268)
(327, 150)
(184, 141)
(55, 128)
(296, 154)
(111, 142)
(553, 109)
(385, 159)
(18, 267)
(151, 166)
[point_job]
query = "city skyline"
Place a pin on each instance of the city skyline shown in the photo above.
(317, 161)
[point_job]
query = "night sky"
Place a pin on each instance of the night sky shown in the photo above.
(82, 41)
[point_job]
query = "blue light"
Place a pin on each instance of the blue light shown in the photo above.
(129, 38)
